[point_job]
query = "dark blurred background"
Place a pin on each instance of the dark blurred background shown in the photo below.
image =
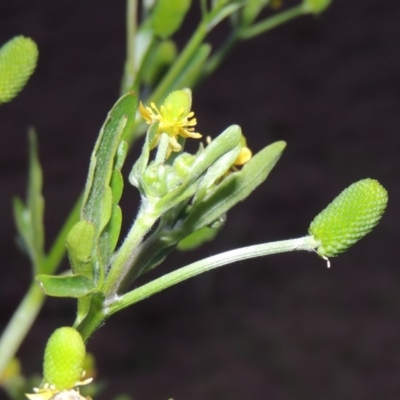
(282, 327)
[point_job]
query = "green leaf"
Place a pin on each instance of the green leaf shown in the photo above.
(235, 188)
(100, 195)
(75, 286)
(29, 218)
(168, 16)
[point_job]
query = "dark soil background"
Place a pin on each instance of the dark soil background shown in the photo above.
(283, 327)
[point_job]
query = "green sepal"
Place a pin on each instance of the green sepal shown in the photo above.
(168, 16)
(234, 188)
(29, 217)
(75, 286)
(222, 144)
(18, 59)
(349, 217)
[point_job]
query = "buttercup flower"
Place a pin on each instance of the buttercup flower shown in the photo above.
(174, 118)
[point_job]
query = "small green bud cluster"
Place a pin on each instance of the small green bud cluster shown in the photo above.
(18, 58)
(349, 217)
(159, 179)
(63, 358)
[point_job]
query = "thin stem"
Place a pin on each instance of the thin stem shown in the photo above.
(126, 253)
(20, 324)
(307, 243)
(129, 71)
(32, 302)
(272, 22)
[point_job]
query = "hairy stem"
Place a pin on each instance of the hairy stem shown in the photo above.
(307, 243)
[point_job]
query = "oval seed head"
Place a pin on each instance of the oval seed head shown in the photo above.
(63, 358)
(349, 217)
(18, 58)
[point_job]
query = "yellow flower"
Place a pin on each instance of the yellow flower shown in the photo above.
(50, 392)
(174, 118)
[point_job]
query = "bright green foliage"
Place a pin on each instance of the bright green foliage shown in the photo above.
(18, 58)
(168, 16)
(63, 358)
(349, 217)
(316, 6)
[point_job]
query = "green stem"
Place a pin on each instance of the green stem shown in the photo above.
(307, 243)
(129, 70)
(126, 253)
(29, 308)
(272, 22)
(20, 324)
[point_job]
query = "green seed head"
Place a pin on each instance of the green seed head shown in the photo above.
(63, 358)
(18, 58)
(349, 217)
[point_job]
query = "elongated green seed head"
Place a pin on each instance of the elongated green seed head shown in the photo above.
(63, 358)
(18, 58)
(349, 217)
